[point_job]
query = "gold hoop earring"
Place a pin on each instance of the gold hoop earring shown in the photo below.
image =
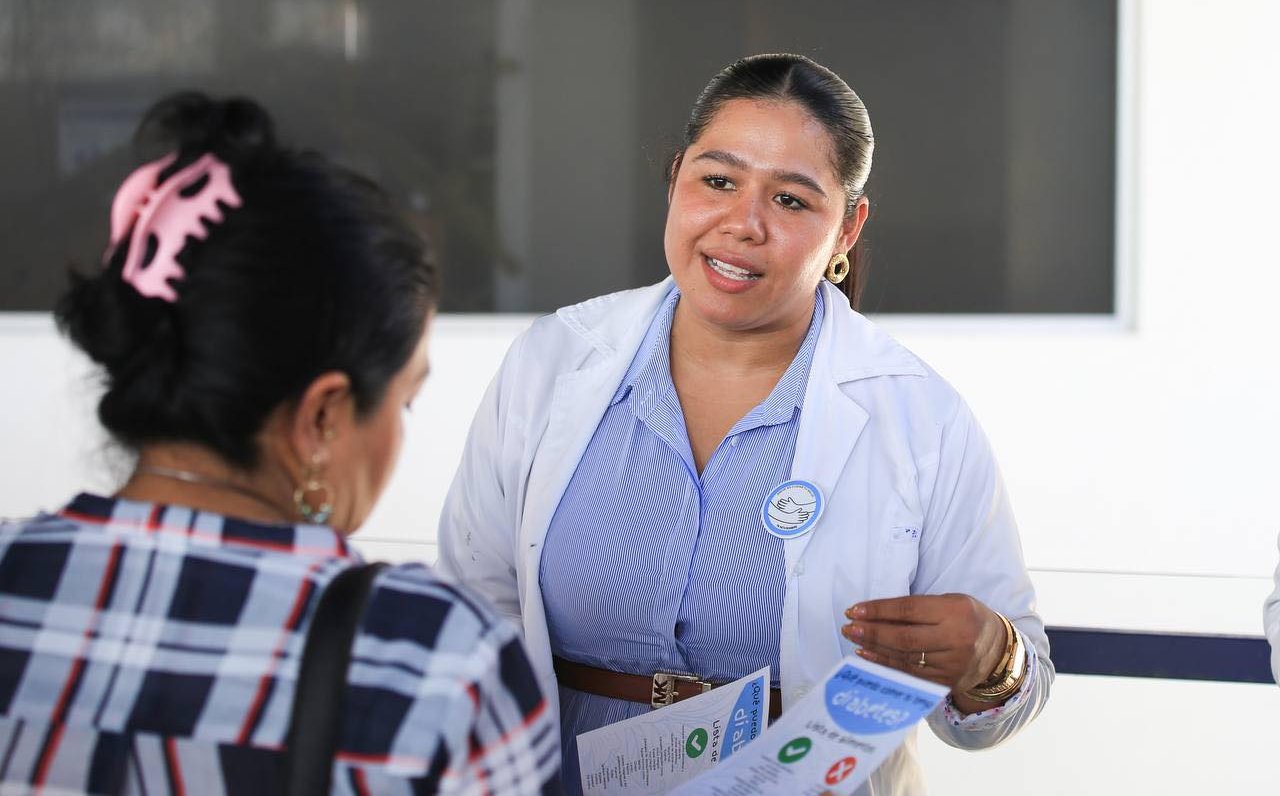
(311, 483)
(838, 268)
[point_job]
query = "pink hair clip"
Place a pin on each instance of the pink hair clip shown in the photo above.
(150, 209)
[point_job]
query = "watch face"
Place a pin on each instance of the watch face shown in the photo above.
(1019, 663)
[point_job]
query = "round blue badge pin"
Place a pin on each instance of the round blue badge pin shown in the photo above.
(792, 509)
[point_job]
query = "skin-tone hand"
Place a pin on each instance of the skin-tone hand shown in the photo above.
(962, 639)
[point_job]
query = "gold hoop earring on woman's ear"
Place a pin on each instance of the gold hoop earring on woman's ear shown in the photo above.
(838, 268)
(311, 483)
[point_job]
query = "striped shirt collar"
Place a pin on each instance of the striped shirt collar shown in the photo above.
(850, 348)
(650, 370)
(205, 528)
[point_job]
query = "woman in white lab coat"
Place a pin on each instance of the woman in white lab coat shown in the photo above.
(733, 468)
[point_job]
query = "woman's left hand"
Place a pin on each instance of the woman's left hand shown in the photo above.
(952, 639)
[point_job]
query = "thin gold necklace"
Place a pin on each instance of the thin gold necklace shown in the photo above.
(188, 477)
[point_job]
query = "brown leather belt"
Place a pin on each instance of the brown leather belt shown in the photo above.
(663, 688)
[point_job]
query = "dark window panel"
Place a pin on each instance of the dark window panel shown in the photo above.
(993, 187)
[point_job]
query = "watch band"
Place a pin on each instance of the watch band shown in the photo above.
(1008, 675)
(1010, 641)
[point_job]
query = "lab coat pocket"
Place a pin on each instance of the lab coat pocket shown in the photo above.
(898, 553)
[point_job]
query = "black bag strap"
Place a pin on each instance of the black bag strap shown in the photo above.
(316, 716)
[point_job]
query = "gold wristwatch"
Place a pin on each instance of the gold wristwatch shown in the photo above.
(1008, 675)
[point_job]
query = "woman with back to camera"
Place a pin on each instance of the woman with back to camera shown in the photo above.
(261, 322)
(614, 490)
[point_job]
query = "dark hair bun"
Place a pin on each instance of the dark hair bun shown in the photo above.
(192, 122)
(313, 271)
(109, 324)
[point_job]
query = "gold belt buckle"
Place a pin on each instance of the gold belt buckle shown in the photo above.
(665, 684)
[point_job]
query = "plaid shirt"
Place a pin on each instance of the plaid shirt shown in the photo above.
(149, 649)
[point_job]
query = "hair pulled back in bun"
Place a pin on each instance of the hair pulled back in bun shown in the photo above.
(786, 77)
(192, 122)
(314, 271)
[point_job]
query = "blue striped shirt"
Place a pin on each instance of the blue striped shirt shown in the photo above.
(649, 566)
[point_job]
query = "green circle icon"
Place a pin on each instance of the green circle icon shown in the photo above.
(696, 743)
(795, 750)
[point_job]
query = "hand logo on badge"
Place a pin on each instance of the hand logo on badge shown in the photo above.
(791, 509)
(788, 514)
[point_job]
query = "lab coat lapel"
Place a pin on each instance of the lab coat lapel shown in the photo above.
(830, 425)
(579, 396)
(830, 422)
(578, 403)
(829, 428)
(850, 348)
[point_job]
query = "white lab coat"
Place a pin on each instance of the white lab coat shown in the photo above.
(915, 501)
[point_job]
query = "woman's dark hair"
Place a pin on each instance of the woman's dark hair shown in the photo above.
(786, 77)
(313, 272)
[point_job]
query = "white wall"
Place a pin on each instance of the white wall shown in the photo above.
(1141, 452)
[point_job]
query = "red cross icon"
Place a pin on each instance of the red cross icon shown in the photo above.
(842, 769)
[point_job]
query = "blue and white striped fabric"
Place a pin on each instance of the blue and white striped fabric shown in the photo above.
(648, 566)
